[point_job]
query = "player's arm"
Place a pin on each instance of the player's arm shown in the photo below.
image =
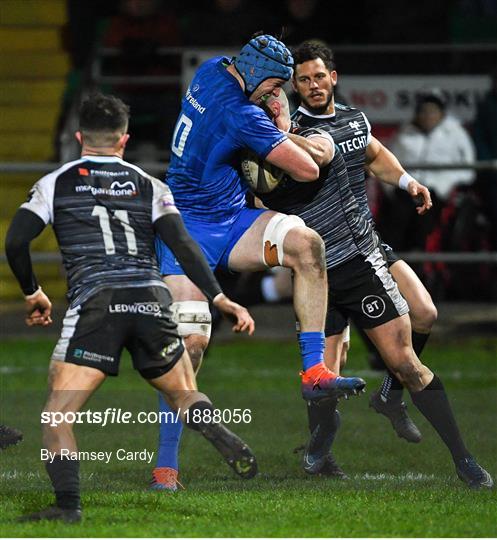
(319, 146)
(387, 168)
(24, 228)
(295, 161)
(172, 231)
(251, 128)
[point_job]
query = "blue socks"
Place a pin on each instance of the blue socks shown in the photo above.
(169, 437)
(311, 348)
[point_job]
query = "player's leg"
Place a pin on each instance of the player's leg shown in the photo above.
(84, 355)
(422, 313)
(393, 340)
(274, 239)
(191, 311)
(159, 355)
(422, 310)
(69, 387)
(179, 388)
(323, 416)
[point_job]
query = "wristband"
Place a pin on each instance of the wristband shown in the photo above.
(32, 295)
(404, 180)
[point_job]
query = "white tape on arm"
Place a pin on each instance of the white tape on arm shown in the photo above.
(404, 181)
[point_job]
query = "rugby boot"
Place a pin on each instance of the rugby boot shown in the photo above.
(9, 436)
(54, 513)
(396, 412)
(319, 382)
(234, 451)
(332, 469)
(318, 458)
(473, 474)
(165, 479)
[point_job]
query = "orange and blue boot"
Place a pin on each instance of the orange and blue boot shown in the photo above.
(319, 382)
(165, 479)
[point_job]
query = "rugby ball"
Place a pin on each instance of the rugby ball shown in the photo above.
(261, 176)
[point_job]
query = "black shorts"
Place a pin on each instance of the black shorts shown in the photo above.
(390, 255)
(363, 290)
(137, 319)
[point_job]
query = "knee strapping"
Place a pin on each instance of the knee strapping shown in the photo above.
(192, 317)
(274, 236)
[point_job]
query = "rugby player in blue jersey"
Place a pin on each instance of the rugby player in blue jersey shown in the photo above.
(220, 117)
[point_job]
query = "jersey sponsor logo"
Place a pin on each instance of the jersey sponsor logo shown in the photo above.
(81, 354)
(126, 189)
(140, 308)
(169, 352)
(373, 306)
(355, 125)
(83, 172)
(352, 145)
(167, 200)
(125, 185)
(108, 174)
(193, 102)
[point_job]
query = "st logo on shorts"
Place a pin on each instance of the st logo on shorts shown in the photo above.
(373, 306)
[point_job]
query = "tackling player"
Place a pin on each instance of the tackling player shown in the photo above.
(362, 288)
(314, 79)
(105, 213)
(220, 117)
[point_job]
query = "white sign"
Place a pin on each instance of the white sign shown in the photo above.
(391, 99)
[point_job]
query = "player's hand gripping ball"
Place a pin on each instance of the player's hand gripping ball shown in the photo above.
(261, 176)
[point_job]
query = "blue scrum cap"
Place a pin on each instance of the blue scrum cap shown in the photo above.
(261, 58)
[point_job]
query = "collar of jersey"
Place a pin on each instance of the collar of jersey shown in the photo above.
(101, 159)
(308, 113)
(222, 69)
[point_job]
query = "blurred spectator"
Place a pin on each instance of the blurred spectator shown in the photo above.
(139, 30)
(485, 137)
(433, 136)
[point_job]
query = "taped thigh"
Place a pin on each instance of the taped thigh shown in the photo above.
(192, 317)
(274, 236)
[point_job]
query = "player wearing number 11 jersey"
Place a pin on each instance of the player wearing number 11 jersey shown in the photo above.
(105, 213)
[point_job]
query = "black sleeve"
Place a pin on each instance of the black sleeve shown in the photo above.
(173, 233)
(25, 227)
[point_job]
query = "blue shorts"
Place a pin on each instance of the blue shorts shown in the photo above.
(215, 239)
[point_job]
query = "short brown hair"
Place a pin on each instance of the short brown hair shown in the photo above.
(103, 119)
(312, 50)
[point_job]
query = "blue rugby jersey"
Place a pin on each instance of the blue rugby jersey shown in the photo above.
(216, 122)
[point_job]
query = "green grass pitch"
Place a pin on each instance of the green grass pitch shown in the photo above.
(396, 488)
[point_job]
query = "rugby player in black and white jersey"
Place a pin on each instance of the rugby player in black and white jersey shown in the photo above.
(359, 287)
(105, 213)
(314, 80)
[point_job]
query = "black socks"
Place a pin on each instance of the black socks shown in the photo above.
(433, 404)
(323, 413)
(64, 475)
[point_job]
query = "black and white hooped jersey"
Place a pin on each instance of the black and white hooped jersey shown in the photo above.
(351, 132)
(102, 210)
(328, 206)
